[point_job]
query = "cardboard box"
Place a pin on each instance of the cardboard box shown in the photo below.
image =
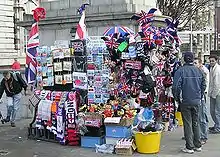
(125, 147)
(93, 119)
(118, 121)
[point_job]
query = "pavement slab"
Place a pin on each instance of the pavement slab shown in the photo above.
(14, 143)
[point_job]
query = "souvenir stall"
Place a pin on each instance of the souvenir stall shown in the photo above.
(103, 91)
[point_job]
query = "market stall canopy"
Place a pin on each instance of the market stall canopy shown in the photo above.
(120, 30)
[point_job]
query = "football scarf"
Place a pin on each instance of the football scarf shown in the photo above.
(54, 117)
(70, 108)
(61, 119)
(60, 125)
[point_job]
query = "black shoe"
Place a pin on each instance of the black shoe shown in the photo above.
(7, 119)
(3, 122)
(211, 128)
(13, 124)
(214, 131)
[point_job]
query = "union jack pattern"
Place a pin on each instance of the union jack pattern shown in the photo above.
(78, 46)
(33, 44)
(31, 63)
(168, 109)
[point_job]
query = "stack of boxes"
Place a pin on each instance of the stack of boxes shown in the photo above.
(96, 131)
(116, 129)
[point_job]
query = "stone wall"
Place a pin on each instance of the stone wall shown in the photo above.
(101, 14)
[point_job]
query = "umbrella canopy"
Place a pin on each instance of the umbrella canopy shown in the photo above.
(120, 30)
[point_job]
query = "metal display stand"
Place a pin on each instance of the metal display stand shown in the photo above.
(79, 64)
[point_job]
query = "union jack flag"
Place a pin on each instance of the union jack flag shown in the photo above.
(110, 42)
(144, 17)
(168, 111)
(78, 46)
(160, 66)
(33, 44)
(125, 88)
(169, 107)
(159, 81)
(145, 26)
(31, 63)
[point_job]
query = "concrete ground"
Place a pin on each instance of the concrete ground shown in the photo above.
(14, 143)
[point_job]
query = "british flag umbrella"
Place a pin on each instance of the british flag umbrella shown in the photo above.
(119, 30)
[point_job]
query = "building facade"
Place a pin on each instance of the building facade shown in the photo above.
(12, 36)
(7, 37)
(62, 17)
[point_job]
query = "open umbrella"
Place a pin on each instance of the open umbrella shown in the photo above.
(120, 30)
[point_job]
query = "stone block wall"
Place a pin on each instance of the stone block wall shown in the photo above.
(100, 14)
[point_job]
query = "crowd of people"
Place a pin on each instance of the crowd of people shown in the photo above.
(192, 85)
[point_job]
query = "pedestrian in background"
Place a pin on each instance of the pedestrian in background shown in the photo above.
(189, 81)
(12, 84)
(16, 65)
(203, 118)
(214, 93)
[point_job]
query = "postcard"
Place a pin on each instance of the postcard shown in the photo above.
(68, 78)
(50, 81)
(58, 79)
(79, 64)
(67, 65)
(58, 53)
(50, 71)
(58, 67)
(45, 83)
(90, 59)
(66, 52)
(80, 80)
(44, 71)
(49, 61)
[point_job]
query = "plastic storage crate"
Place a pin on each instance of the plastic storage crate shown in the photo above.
(89, 142)
(117, 131)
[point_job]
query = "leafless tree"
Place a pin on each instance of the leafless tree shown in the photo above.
(183, 9)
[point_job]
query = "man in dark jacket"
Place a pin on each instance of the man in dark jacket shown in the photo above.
(12, 85)
(189, 82)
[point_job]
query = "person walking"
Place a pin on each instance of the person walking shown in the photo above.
(189, 82)
(203, 118)
(214, 94)
(12, 84)
(16, 65)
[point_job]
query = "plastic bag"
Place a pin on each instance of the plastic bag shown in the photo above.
(105, 148)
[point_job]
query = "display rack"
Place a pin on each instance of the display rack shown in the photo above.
(77, 60)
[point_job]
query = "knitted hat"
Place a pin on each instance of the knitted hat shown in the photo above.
(188, 57)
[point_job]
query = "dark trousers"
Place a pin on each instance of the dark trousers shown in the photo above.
(190, 115)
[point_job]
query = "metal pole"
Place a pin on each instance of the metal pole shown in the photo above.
(215, 25)
(191, 28)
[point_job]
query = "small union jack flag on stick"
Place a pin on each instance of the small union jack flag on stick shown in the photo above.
(144, 17)
(111, 42)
